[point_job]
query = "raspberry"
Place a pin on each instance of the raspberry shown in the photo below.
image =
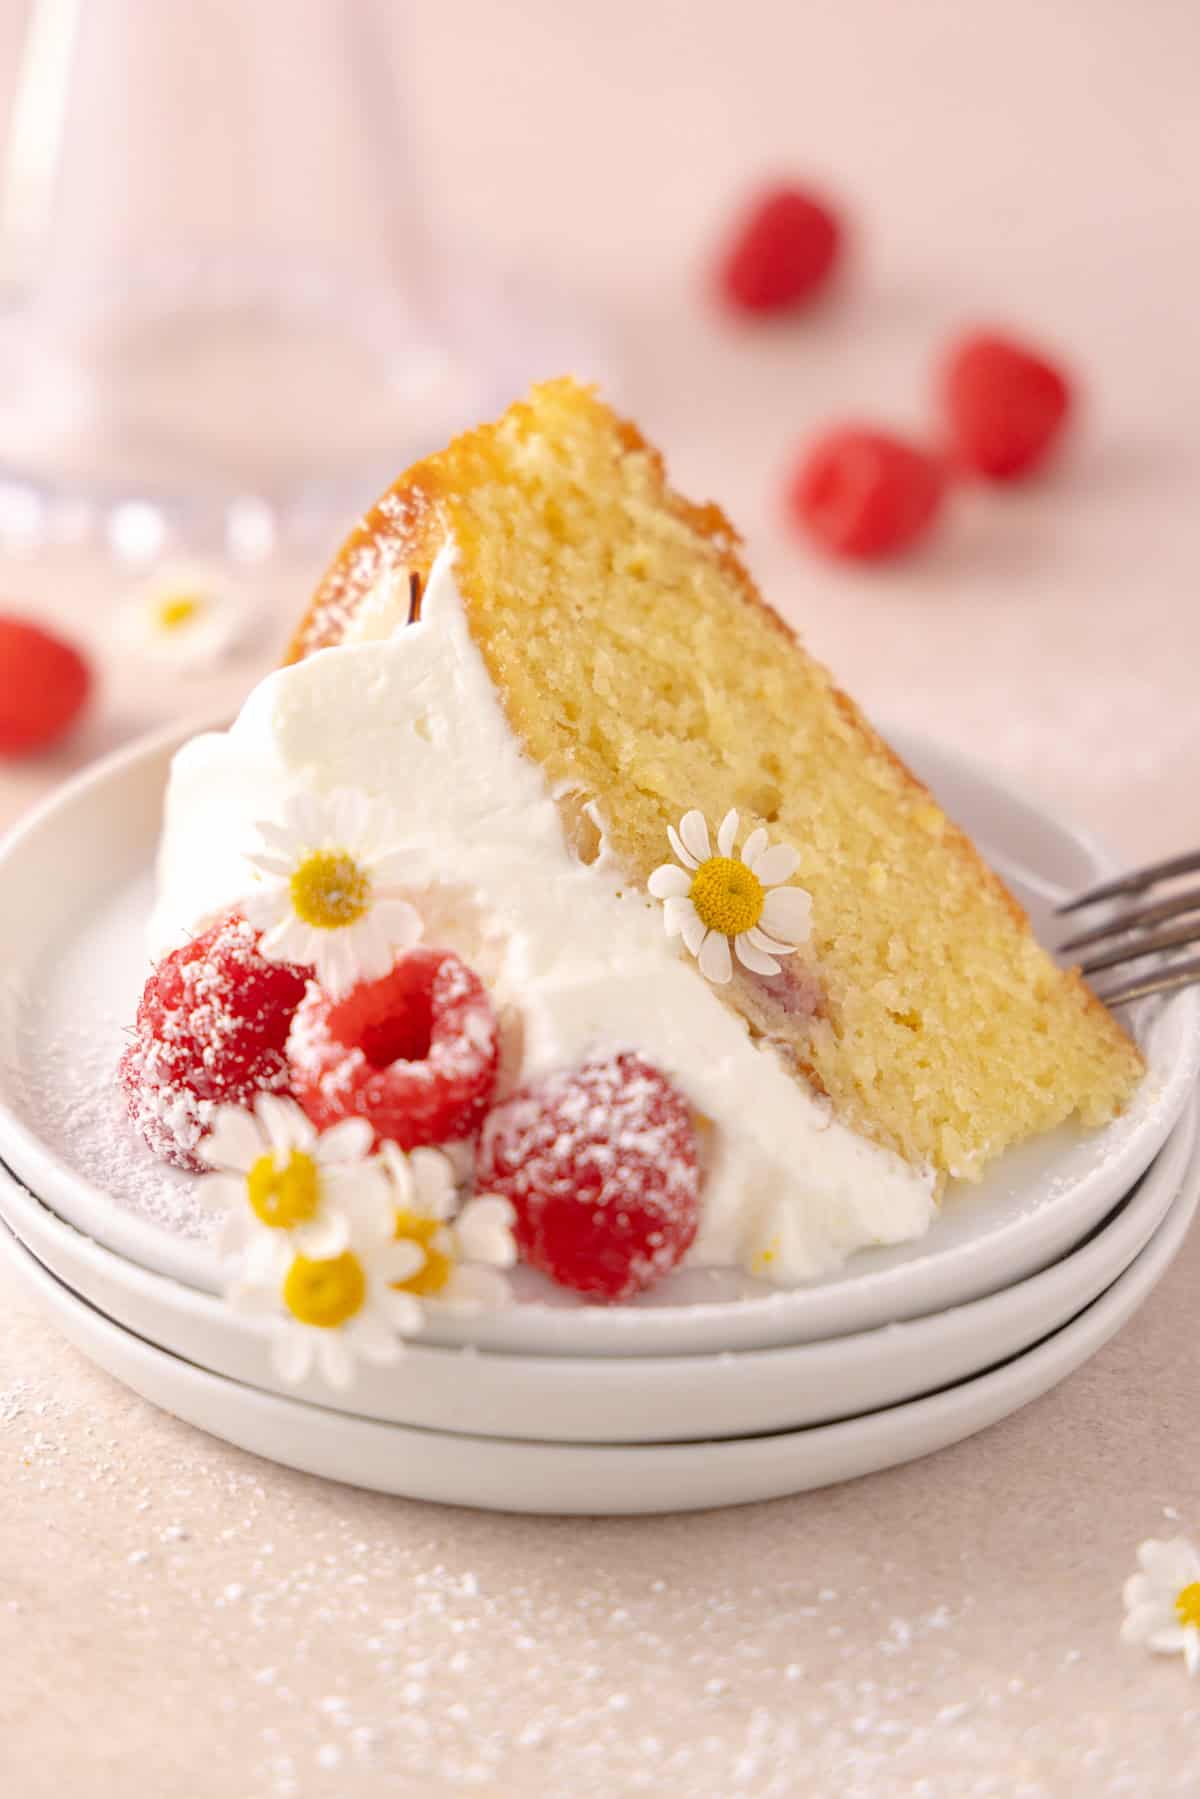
(782, 253)
(600, 1163)
(415, 1053)
(865, 494)
(1005, 405)
(211, 1030)
(44, 685)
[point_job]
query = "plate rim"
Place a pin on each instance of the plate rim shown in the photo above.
(1018, 1247)
(675, 1398)
(636, 1478)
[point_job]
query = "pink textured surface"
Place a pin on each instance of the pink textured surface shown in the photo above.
(178, 1619)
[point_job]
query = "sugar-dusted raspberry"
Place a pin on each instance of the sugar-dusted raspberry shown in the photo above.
(211, 1029)
(1005, 405)
(600, 1163)
(44, 686)
(782, 253)
(866, 494)
(415, 1053)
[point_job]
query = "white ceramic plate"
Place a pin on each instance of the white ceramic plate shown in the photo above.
(74, 886)
(613, 1399)
(502, 1475)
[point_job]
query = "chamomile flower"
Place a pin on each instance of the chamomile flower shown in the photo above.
(183, 618)
(1162, 1601)
(283, 1190)
(330, 898)
(463, 1250)
(712, 900)
(330, 1311)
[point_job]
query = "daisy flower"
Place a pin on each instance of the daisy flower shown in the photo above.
(713, 899)
(1162, 1602)
(331, 1310)
(282, 1189)
(183, 618)
(462, 1251)
(330, 899)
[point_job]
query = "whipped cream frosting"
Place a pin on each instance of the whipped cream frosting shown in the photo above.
(577, 960)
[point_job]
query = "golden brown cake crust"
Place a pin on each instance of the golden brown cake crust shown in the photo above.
(429, 503)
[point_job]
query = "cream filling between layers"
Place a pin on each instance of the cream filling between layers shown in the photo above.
(577, 961)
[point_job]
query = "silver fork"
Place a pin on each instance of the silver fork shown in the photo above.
(1133, 934)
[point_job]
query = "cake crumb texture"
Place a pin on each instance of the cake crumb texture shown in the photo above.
(638, 665)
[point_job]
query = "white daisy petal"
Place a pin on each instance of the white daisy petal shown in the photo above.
(669, 882)
(754, 846)
(403, 1312)
(334, 964)
(1167, 1639)
(322, 1237)
(771, 945)
(399, 1171)
(1191, 1649)
(436, 1188)
(756, 960)
(289, 941)
(676, 913)
(278, 837)
(334, 1359)
(269, 862)
(292, 1353)
(235, 1141)
(787, 913)
(483, 1231)
(308, 822)
(371, 1336)
(476, 1289)
(349, 1140)
(777, 864)
(716, 964)
(267, 907)
(727, 835)
(286, 1126)
(693, 929)
(693, 828)
(680, 849)
(1137, 1590)
(400, 1260)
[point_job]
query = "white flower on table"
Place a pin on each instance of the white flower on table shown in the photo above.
(463, 1251)
(183, 617)
(281, 1188)
(1162, 1601)
(713, 900)
(330, 898)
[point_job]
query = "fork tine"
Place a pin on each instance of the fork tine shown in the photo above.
(1177, 938)
(1162, 980)
(1157, 912)
(1137, 882)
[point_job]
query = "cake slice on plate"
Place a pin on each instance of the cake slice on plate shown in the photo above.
(624, 794)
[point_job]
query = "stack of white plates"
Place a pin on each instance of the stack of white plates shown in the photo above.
(703, 1393)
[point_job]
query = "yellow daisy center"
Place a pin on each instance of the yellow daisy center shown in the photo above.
(727, 895)
(179, 610)
(284, 1197)
(437, 1267)
(1187, 1605)
(329, 890)
(325, 1293)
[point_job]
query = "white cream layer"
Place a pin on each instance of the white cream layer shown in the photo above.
(409, 715)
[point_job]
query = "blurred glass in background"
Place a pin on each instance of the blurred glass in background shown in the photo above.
(227, 315)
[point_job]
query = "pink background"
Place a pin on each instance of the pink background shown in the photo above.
(178, 1619)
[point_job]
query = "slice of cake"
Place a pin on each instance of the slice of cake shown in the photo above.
(627, 797)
